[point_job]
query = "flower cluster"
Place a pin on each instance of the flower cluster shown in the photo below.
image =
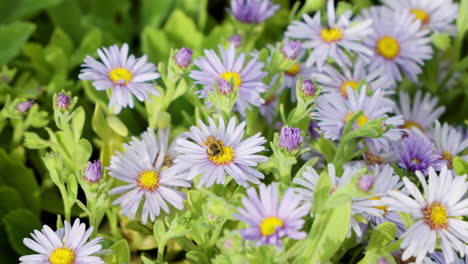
(239, 150)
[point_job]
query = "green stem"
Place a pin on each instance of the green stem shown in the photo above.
(161, 247)
(66, 203)
(215, 235)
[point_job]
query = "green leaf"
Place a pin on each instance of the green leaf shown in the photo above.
(120, 252)
(19, 224)
(462, 21)
(197, 257)
(382, 235)
(67, 16)
(460, 166)
(328, 233)
(441, 40)
(99, 123)
(181, 29)
(33, 141)
(12, 38)
(321, 190)
(10, 199)
(88, 46)
(117, 126)
(159, 230)
(13, 10)
(136, 226)
(16, 175)
(155, 44)
(153, 12)
(78, 123)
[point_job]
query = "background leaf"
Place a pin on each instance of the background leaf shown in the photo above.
(12, 37)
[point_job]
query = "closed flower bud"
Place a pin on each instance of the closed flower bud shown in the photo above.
(24, 106)
(382, 260)
(224, 86)
(235, 40)
(93, 173)
(290, 138)
(308, 88)
(183, 57)
(366, 182)
(63, 101)
(291, 49)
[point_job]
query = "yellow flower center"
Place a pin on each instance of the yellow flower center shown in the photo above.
(120, 76)
(226, 156)
(331, 34)
(345, 86)
(360, 121)
(217, 152)
(421, 15)
(446, 155)
(415, 160)
(388, 47)
(381, 207)
(435, 215)
(410, 124)
(148, 180)
(232, 77)
(62, 256)
(294, 69)
(269, 225)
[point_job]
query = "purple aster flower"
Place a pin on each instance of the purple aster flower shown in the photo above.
(67, 245)
(235, 40)
(291, 49)
(183, 57)
(337, 80)
(335, 40)
(24, 106)
(290, 138)
(217, 150)
(334, 111)
(125, 75)
(308, 88)
(151, 181)
(63, 101)
(421, 113)
(246, 80)
(437, 15)
(417, 153)
(400, 45)
(252, 11)
(270, 218)
(93, 172)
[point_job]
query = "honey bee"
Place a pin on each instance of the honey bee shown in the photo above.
(215, 147)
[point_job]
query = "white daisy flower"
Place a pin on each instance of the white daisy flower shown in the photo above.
(337, 81)
(449, 141)
(334, 111)
(334, 40)
(422, 113)
(216, 150)
(309, 179)
(146, 167)
(437, 15)
(399, 43)
(436, 213)
(125, 75)
(66, 246)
